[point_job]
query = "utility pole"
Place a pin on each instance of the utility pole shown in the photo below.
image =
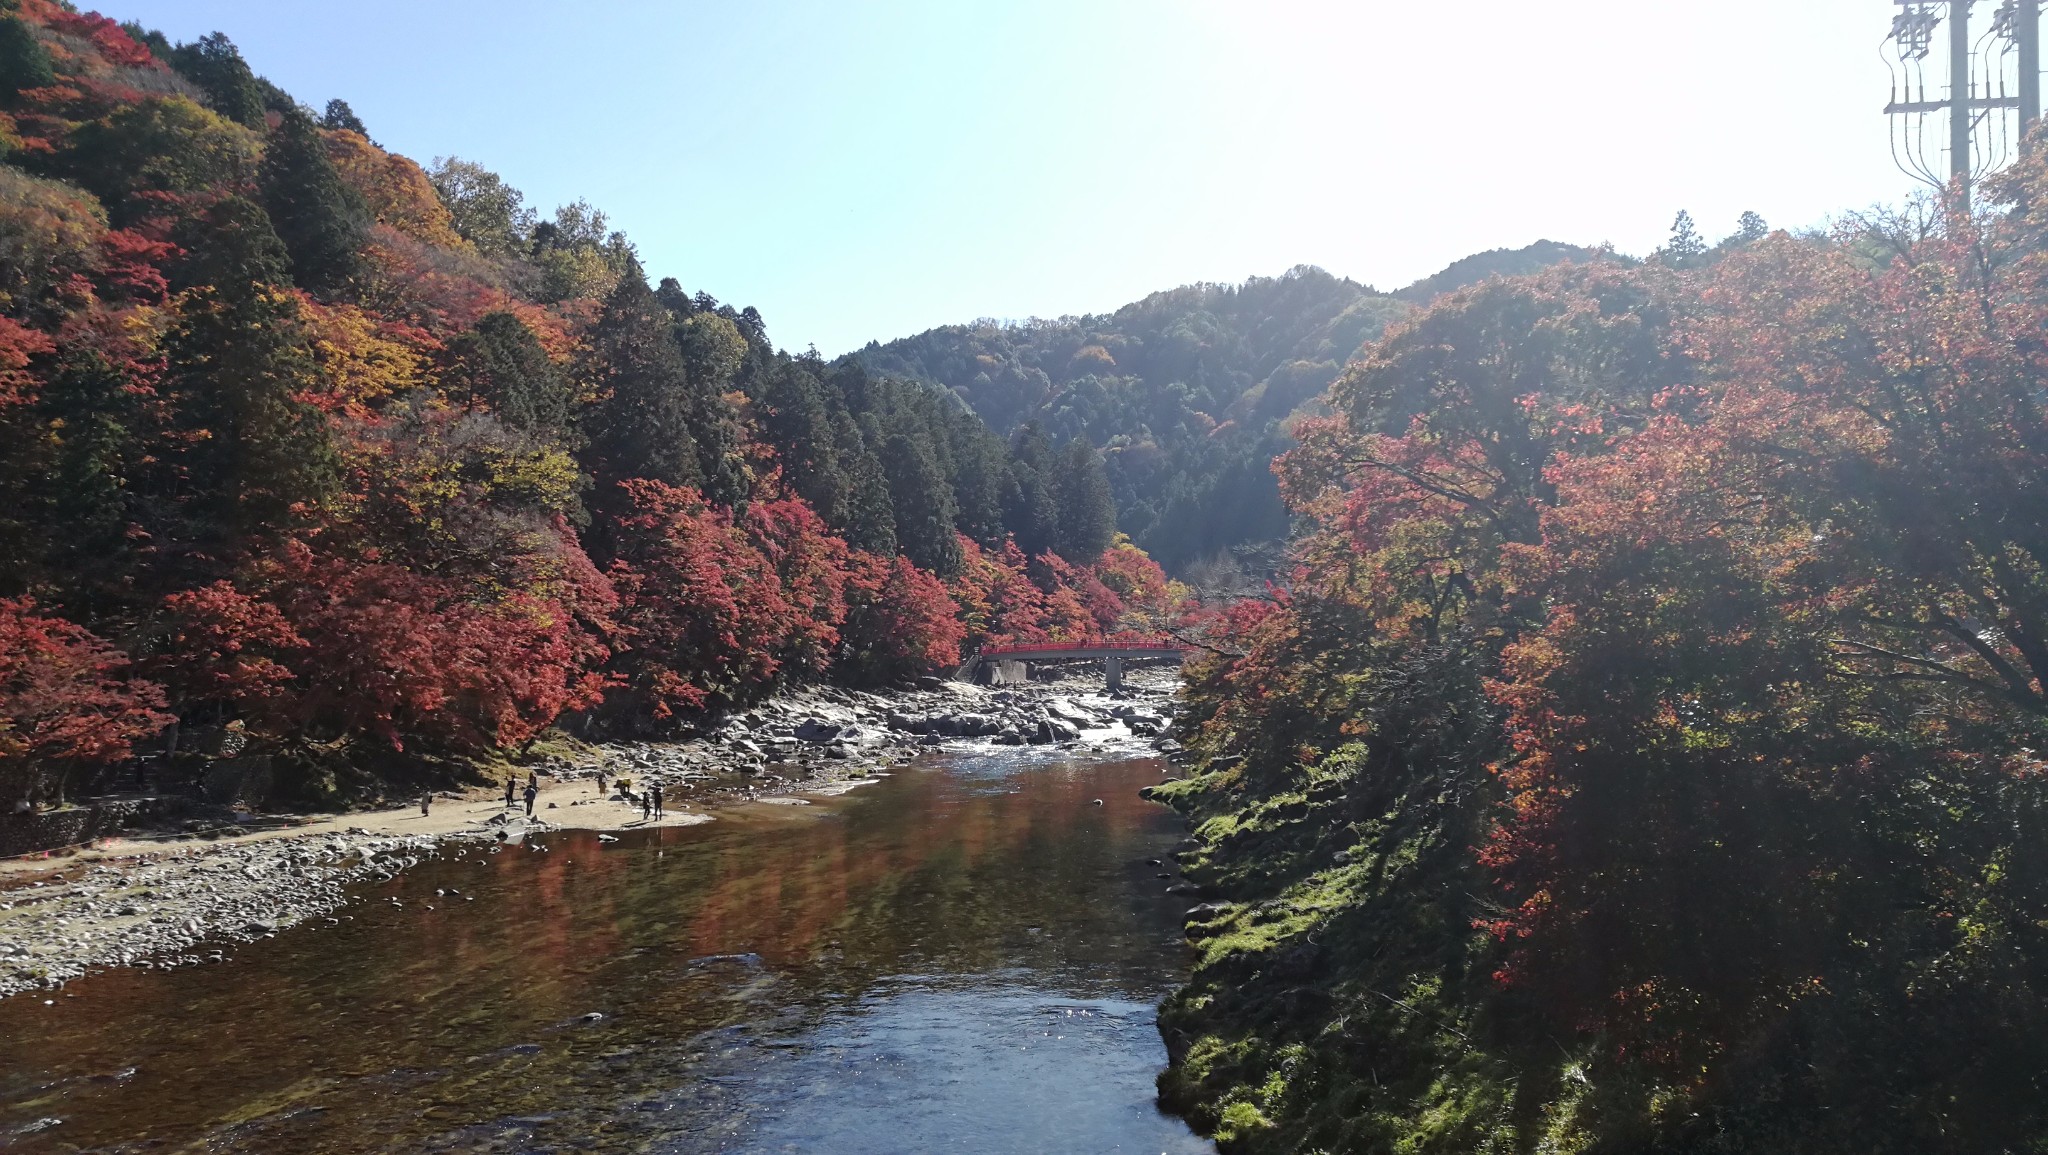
(2026, 34)
(1993, 86)
(1959, 97)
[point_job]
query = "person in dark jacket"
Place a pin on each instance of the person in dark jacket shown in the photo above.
(532, 792)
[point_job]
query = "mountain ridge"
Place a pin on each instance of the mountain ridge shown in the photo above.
(1188, 391)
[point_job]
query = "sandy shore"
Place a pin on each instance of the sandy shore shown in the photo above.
(450, 814)
(168, 901)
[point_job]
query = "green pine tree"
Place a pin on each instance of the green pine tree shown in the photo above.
(24, 62)
(231, 247)
(923, 502)
(798, 422)
(869, 518)
(640, 426)
(1686, 247)
(712, 351)
(977, 479)
(1087, 514)
(1029, 511)
(500, 365)
(255, 458)
(88, 409)
(215, 65)
(340, 116)
(322, 221)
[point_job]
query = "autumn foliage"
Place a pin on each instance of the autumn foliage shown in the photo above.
(1681, 634)
(900, 621)
(66, 701)
(351, 457)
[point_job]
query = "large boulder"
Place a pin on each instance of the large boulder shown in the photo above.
(1068, 712)
(1145, 725)
(817, 730)
(1052, 729)
(967, 725)
(909, 723)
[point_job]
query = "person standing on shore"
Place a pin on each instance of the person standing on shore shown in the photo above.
(656, 791)
(510, 785)
(600, 783)
(532, 792)
(647, 805)
(426, 802)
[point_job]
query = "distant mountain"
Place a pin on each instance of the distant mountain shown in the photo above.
(1188, 392)
(1500, 263)
(1185, 391)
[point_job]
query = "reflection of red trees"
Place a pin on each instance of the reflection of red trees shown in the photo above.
(787, 892)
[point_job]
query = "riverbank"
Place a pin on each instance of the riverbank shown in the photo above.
(168, 900)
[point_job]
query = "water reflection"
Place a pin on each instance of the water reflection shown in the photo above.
(962, 957)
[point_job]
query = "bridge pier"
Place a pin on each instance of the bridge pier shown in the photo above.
(1113, 673)
(1010, 673)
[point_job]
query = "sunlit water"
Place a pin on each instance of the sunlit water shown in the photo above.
(964, 957)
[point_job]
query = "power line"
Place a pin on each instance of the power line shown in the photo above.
(1993, 96)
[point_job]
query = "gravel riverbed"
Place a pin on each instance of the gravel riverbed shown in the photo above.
(180, 902)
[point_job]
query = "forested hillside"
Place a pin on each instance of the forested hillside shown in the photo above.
(1501, 263)
(1187, 392)
(1644, 753)
(1184, 392)
(309, 452)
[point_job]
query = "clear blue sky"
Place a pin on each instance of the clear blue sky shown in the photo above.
(865, 169)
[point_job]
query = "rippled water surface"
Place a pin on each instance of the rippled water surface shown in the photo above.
(963, 957)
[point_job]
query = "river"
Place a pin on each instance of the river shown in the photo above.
(962, 957)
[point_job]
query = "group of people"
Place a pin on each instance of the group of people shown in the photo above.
(532, 791)
(652, 803)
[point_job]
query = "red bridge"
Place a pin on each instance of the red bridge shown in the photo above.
(1008, 663)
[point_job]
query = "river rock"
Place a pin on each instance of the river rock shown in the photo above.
(967, 726)
(908, 723)
(1052, 729)
(1066, 711)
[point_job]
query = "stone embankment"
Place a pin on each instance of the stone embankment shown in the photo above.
(179, 902)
